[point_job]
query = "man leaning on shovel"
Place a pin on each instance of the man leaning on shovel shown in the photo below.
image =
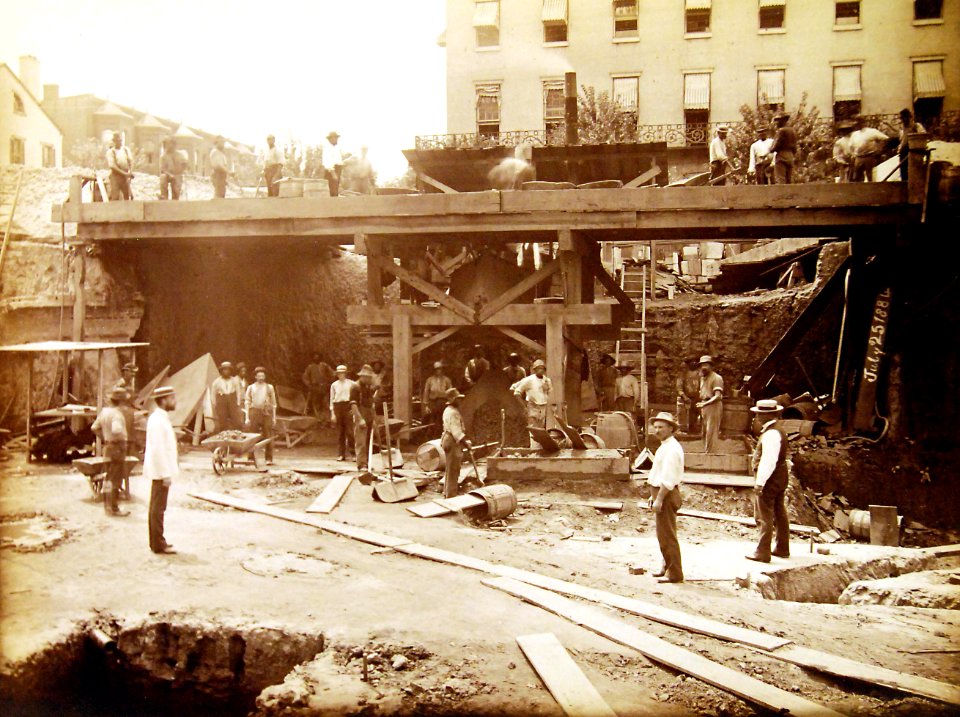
(453, 438)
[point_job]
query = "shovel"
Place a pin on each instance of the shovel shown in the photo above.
(393, 490)
(476, 471)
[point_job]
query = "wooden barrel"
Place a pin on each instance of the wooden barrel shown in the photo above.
(501, 500)
(617, 429)
(736, 416)
(860, 524)
(314, 188)
(804, 410)
(430, 456)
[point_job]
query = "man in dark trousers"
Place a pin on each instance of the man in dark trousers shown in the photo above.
(111, 427)
(365, 401)
(120, 164)
(454, 437)
(665, 478)
(227, 400)
(785, 148)
(272, 167)
(342, 394)
(260, 403)
(476, 367)
(160, 463)
(317, 378)
(769, 464)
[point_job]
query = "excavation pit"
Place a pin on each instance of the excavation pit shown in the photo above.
(158, 667)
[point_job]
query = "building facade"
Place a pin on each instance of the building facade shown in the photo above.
(28, 135)
(685, 62)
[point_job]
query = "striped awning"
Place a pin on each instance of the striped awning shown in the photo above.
(625, 92)
(928, 79)
(846, 83)
(697, 4)
(770, 87)
(486, 14)
(696, 91)
(773, 3)
(554, 11)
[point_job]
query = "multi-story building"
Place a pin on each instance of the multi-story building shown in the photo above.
(693, 62)
(28, 135)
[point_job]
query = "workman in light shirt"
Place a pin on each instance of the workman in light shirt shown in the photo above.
(627, 390)
(719, 162)
(342, 392)
(160, 463)
(260, 403)
(272, 166)
(761, 159)
(665, 477)
(769, 463)
(710, 404)
(332, 160)
(454, 436)
(534, 391)
(111, 427)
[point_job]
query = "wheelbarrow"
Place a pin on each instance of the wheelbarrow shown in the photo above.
(231, 448)
(95, 469)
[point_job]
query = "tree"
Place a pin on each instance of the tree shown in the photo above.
(814, 139)
(90, 153)
(599, 120)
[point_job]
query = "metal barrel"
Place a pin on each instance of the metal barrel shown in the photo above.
(501, 500)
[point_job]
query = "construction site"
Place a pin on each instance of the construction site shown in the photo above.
(305, 581)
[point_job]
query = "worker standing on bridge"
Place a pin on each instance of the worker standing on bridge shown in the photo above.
(272, 166)
(710, 404)
(120, 164)
(332, 160)
(219, 168)
(761, 160)
(785, 148)
(454, 436)
(842, 153)
(719, 162)
(171, 170)
(534, 391)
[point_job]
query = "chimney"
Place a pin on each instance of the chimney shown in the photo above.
(51, 93)
(30, 74)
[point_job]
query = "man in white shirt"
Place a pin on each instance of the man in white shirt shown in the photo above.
(453, 438)
(769, 462)
(710, 404)
(272, 166)
(219, 167)
(665, 478)
(761, 160)
(343, 391)
(908, 126)
(227, 398)
(332, 161)
(120, 163)
(718, 156)
(842, 154)
(260, 403)
(627, 391)
(111, 427)
(867, 145)
(160, 465)
(434, 396)
(534, 391)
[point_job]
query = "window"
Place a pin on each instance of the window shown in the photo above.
(625, 19)
(18, 151)
(846, 92)
(488, 110)
(486, 22)
(929, 89)
(554, 104)
(770, 88)
(696, 106)
(554, 17)
(18, 107)
(697, 16)
(772, 14)
(927, 9)
(847, 13)
(626, 93)
(49, 155)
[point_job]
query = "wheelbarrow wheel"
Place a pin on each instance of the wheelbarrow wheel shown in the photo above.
(96, 486)
(258, 461)
(219, 461)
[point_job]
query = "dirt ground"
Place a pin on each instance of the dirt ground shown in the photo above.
(456, 637)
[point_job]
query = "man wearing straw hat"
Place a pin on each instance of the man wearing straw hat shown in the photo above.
(227, 400)
(453, 438)
(160, 464)
(342, 392)
(710, 404)
(434, 396)
(332, 160)
(112, 428)
(769, 464)
(363, 408)
(260, 403)
(665, 477)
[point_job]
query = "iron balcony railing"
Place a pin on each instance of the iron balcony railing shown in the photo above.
(946, 127)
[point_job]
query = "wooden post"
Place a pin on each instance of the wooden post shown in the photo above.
(65, 388)
(76, 190)
(100, 395)
(77, 275)
(653, 269)
(402, 369)
(555, 364)
(570, 110)
(374, 273)
(29, 407)
(917, 167)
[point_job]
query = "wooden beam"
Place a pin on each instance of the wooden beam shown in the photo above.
(515, 292)
(566, 682)
(427, 179)
(402, 369)
(78, 269)
(749, 688)
(654, 171)
(332, 494)
(512, 315)
(520, 338)
(432, 292)
(556, 364)
(374, 272)
(571, 263)
(435, 339)
(608, 283)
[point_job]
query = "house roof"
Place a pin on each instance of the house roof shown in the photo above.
(5, 66)
(185, 132)
(148, 120)
(111, 110)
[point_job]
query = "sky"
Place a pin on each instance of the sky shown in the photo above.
(369, 69)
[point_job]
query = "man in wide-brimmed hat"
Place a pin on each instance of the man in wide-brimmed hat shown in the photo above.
(364, 413)
(454, 437)
(710, 404)
(332, 160)
(665, 478)
(435, 389)
(627, 390)
(260, 404)
(769, 465)
(760, 158)
(785, 149)
(111, 427)
(160, 463)
(227, 399)
(719, 160)
(342, 394)
(534, 391)
(128, 378)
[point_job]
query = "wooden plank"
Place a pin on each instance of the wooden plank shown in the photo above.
(332, 494)
(567, 463)
(521, 339)
(433, 292)
(663, 652)
(740, 519)
(427, 179)
(773, 250)
(608, 283)
(436, 338)
(716, 479)
(402, 336)
(447, 506)
(512, 315)
(710, 462)
(872, 674)
(519, 290)
(555, 358)
(565, 680)
(654, 171)
(942, 551)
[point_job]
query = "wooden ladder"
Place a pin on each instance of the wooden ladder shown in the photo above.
(9, 217)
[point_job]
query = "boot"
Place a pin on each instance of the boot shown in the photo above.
(111, 503)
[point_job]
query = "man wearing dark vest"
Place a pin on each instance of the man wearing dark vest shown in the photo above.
(769, 463)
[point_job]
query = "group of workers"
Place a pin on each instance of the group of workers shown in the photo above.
(239, 405)
(771, 158)
(859, 148)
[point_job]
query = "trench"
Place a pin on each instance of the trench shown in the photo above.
(826, 582)
(160, 667)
